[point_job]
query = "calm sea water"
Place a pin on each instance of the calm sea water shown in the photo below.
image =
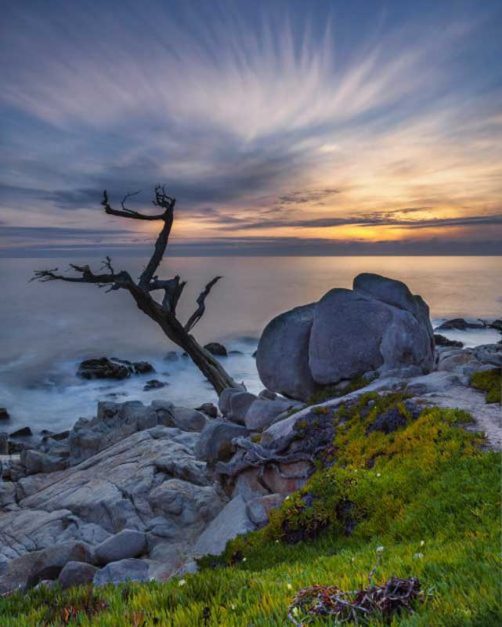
(46, 329)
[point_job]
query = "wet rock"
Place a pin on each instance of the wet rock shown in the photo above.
(125, 544)
(121, 571)
(76, 574)
(154, 384)
(215, 442)
(4, 414)
(172, 356)
(489, 354)
(217, 349)
(21, 433)
(4, 444)
(441, 340)
(459, 324)
(112, 368)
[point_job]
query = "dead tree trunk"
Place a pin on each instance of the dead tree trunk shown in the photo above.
(163, 313)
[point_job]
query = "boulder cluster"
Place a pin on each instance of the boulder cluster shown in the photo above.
(377, 328)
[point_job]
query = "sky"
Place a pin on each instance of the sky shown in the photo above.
(282, 127)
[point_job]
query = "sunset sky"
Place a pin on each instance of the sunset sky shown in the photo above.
(282, 127)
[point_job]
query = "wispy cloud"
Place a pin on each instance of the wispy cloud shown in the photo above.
(276, 115)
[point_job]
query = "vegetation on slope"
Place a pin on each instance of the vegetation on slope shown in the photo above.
(421, 501)
(489, 381)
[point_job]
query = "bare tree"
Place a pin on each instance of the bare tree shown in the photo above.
(164, 313)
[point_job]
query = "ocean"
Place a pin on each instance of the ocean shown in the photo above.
(47, 329)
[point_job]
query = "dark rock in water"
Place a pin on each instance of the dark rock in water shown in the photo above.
(112, 368)
(154, 384)
(441, 340)
(209, 409)
(215, 348)
(21, 433)
(235, 352)
(254, 354)
(142, 367)
(496, 324)
(459, 324)
(4, 414)
(172, 356)
(4, 444)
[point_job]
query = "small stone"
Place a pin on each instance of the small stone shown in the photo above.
(441, 340)
(4, 414)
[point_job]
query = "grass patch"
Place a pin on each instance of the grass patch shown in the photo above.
(422, 501)
(489, 381)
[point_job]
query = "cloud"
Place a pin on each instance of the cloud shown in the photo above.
(274, 115)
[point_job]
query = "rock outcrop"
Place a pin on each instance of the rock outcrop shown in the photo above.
(378, 327)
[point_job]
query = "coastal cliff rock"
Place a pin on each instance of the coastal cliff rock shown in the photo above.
(378, 327)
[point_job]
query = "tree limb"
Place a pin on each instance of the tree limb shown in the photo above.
(201, 301)
(127, 213)
(120, 279)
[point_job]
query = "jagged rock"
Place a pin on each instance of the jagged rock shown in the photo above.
(262, 412)
(121, 571)
(29, 569)
(127, 543)
(441, 340)
(229, 523)
(215, 442)
(215, 348)
(282, 358)
(209, 409)
(239, 404)
(76, 574)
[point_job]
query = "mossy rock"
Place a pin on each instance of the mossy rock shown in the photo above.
(489, 381)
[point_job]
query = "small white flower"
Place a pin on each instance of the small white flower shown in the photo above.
(418, 556)
(244, 559)
(287, 498)
(378, 474)
(289, 586)
(422, 543)
(233, 606)
(277, 541)
(380, 549)
(295, 611)
(181, 582)
(353, 559)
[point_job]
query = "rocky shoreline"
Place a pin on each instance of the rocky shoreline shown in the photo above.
(141, 492)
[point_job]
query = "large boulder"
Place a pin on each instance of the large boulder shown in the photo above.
(215, 442)
(121, 571)
(76, 574)
(379, 327)
(282, 358)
